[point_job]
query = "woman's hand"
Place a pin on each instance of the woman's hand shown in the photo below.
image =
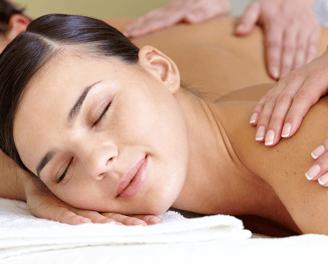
(189, 11)
(280, 112)
(43, 204)
(291, 32)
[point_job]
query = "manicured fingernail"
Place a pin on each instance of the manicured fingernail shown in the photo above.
(241, 27)
(269, 138)
(286, 130)
(323, 179)
(260, 133)
(318, 152)
(312, 172)
(85, 220)
(275, 73)
(253, 118)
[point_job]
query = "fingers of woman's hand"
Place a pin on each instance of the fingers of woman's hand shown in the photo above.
(248, 20)
(157, 19)
(313, 45)
(203, 10)
(289, 50)
(273, 48)
(64, 215)
(134, 219)
(319, 170)
(149, 219)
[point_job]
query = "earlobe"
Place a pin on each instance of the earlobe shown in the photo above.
(161, 66)
(17, 24)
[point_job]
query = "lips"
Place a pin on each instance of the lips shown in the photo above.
(133, 180)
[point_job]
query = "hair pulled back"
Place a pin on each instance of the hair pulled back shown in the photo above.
(45, 36)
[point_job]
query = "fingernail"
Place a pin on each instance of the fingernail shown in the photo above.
(253, 118)
(323, 179)
(260, 133)
(318, 152)
(312, 172)
(269, 138)
(286, 130)
(85, 220)
(275, 73)
(241, 27)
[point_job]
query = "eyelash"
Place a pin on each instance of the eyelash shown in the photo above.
(102, 114)
(94, 124)
(64, 173)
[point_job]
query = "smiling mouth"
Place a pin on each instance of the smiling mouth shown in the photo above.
(133, 180)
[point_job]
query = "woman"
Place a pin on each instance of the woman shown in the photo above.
(112, 130)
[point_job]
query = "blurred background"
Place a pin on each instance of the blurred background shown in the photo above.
(103, 8)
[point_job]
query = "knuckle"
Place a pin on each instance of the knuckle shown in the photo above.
(284, 99)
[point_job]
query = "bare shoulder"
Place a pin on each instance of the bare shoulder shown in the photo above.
(283, 167)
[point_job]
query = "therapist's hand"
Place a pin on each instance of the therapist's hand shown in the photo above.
(280, 112)
(291, 32)
(188, 11)
(43, 204)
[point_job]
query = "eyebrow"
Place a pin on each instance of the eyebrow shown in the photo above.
(73, 114)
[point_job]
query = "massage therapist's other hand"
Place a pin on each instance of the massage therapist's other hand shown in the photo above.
(43, 204)
(188, 11)
(291, 32)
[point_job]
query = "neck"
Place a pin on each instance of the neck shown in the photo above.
(216, 180)
(207, 153)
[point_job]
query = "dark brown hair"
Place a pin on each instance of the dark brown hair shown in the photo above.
(45, 36)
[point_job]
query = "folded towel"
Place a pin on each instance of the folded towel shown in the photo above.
(21, 233)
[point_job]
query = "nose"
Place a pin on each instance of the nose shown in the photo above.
(97, 159)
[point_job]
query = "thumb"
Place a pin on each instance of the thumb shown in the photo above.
(248, 20)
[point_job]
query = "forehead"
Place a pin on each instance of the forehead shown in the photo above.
(51, 93)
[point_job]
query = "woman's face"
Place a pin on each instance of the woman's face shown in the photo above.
(104, 135)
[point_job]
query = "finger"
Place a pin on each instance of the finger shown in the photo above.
(320, 167)
(64, 215)
(303, 100)
(288, 51)
(247, 22)
(196, 16)
(149, 219)
(273, 49)
(283, 103)
(313, 45)
(259, 107)
(265, 117)
(96, 217)
(125, 220)
(302, 48)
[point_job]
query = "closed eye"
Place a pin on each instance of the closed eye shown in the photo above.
(102, 114)
(65, 172)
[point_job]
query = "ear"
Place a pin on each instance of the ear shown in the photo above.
(161, 67)
(17, 24)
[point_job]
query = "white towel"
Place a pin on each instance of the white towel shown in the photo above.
(21, 233)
